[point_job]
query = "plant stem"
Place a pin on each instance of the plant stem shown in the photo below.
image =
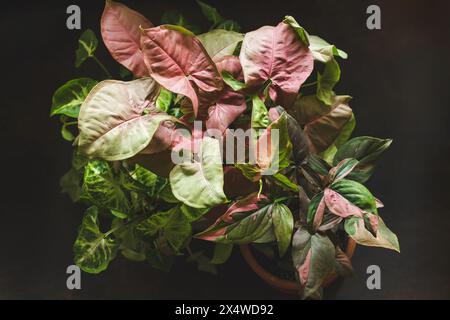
(306, 85)
(102, 66)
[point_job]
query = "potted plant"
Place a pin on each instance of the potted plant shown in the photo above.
(157, 157)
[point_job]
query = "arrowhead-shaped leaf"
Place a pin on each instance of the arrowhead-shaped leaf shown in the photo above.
(365, 149)
(323, 51)
(220, 43)
(314, 259)
(69, 97)
(121, 34)
(385, 238)
(230, 103)
(113, 121)
(322, 124)
(199, 183)
(87, 44)
(276, 54)
(177, 60)
(283, 224)
(102, 187)
(93, 249)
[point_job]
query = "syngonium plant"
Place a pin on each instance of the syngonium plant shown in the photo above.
(173, 74)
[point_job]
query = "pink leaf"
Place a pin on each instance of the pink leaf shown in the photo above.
(340, 206)
(176, 59)
(276, 53)
(303, 270)
(230, 104)
(320, 211)
(121, 35)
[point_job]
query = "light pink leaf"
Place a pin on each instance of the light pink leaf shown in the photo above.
(276, 53)
(121, 35)
(176, 59)
(378, 203)
(318, 217)
(340, 206)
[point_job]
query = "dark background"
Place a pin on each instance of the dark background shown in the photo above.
(398, 76)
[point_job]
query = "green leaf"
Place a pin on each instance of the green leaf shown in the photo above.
(365, 149)
(93, 249)
(159, 260)
(255, 227)
(284, 182)
(124, 73)
(222, 253)
(68, 98)
(131, 246)
(164, 100)
(146, 178)
(71, 184)
(260, 115)
(87, 44)
(357, 194)
(177, 230)
(327, 81)
(210, 13)
(155, 223)
(303, 35)
(174, 17)
(229, 25)
(318, 165)
(323, 51)
(314, 259)
(355, 227)
(199, 184)
(283, 224)
(65, 133)
(193, 214)
(102, 188)
(203, 262)
(228, 78)
(114, 121)
(220, 43)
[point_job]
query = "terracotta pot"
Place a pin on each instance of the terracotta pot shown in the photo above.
(283, 285)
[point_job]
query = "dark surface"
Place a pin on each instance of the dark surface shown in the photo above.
(398, 76)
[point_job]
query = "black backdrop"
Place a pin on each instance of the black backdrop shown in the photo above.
(398, 76)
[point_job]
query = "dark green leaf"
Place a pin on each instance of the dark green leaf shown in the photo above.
(93, 249)
(87, 44)
(284, 182)
(365, 149)
(221, 253)
(71, 184)
(316, 212)
(177, 230)
(210, 13)
(229, 25)
(174, 17)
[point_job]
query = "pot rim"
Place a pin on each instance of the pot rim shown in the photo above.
(283, 285)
